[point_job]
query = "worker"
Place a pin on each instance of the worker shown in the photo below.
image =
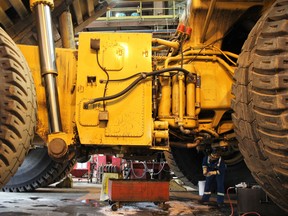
(213, 169)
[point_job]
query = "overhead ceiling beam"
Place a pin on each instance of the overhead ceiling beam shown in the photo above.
(77, 10)
(98, 12)
(19, 7)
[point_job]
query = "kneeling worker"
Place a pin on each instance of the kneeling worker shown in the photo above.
(214, 169)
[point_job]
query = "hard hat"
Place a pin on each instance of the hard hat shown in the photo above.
(214, 155)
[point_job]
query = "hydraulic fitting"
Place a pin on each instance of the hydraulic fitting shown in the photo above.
(33, 3)
(57, 148)
(188, 33)
(161, 125)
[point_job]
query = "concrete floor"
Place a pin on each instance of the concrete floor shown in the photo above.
(83, 200)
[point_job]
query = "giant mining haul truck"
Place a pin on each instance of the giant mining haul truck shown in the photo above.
(220, 82)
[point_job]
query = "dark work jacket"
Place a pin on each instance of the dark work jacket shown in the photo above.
(214, 165)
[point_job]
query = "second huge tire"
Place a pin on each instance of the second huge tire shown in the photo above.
(261, 102)
(38, 170)
(17, 108)
(187, 166)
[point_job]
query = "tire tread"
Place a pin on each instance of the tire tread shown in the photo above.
(18, 108)
(262, 74)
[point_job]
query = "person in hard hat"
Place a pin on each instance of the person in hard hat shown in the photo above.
(213, 169)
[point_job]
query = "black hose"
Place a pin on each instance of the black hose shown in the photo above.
(123, 79)
(113, 96)
(107, 75)
(143, 76)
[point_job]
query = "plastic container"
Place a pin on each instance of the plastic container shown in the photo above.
(201, 186)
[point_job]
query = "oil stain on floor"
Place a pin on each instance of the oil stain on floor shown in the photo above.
(83, 200)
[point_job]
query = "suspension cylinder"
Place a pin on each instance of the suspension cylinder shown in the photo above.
(48, 61)
(175, 96)
(198, 95)
(190, 98)
(165, 102)
(181, 104)
(57, 148)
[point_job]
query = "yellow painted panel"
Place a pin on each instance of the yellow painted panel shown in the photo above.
(134, 107)
(130, 116)
(215, 85)
(88, 117)
(66, 60)
(113, 57)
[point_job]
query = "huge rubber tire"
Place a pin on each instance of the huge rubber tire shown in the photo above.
(17, 108)
(187, 166)
(67, 167)
(38, 170)
(260, 105)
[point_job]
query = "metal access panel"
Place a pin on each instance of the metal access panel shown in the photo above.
(125, 120)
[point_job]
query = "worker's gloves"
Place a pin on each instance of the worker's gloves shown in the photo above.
(212, 173)
(205, 171)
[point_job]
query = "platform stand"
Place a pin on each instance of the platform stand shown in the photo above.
(126, 190)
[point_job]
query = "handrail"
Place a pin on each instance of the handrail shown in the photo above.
(126, 12)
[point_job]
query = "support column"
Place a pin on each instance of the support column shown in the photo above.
(66, 30)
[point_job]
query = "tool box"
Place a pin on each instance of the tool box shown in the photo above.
(126, 190)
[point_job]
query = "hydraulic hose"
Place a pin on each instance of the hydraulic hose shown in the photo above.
(143, 76)
(116, 95)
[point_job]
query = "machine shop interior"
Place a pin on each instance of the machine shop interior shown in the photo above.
(144, 107)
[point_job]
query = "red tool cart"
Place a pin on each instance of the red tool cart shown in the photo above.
(127, 190)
